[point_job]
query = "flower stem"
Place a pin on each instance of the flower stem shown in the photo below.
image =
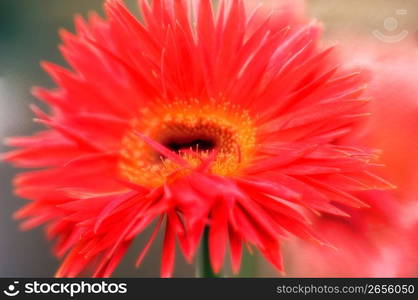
(204, 268)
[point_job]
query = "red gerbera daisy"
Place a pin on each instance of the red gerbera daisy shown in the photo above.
(194, 118)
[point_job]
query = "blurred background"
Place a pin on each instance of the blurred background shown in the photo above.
(28, 34)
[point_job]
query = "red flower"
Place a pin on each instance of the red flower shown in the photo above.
(381, 241)
(215, 120)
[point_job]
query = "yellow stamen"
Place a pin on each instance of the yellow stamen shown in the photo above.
(200, 127)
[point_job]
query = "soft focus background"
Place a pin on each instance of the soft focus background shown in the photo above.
(28, 34)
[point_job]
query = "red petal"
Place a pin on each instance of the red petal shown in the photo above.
(149, 243)
(218, 237)
(235, 243)
(169, 251)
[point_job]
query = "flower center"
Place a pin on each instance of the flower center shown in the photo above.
(194, 144)
(193, 130)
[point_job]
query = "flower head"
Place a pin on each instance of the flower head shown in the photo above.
(194, 117)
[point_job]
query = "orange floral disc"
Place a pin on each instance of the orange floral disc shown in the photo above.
(193, 129)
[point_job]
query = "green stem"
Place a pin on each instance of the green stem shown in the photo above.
(205, 268)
